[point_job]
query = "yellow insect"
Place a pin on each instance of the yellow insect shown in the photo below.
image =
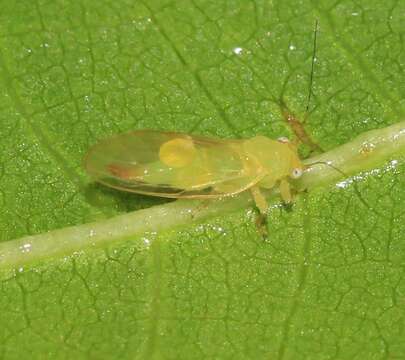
(176, 165)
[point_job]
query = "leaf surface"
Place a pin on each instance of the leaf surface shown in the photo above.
(328, 283)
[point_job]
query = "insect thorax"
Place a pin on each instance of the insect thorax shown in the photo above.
(274, 156)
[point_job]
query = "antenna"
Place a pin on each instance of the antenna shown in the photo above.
(327, 163)
(295, 124)
(312, 65)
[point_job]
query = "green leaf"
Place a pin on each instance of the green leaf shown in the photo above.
(328, 283)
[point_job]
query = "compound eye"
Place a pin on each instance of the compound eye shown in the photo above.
(296, 173)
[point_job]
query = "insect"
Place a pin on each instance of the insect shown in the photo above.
(177, 165)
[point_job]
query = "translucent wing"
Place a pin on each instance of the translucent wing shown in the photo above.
(172, 165)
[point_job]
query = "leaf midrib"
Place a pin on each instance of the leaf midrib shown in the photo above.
(388, 142)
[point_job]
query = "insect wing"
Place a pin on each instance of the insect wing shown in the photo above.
(172, 164)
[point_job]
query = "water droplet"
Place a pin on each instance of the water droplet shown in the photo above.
(343, 184)
(25, 248)
(237, 50)
(146, 241)
(292, 47)
(367, 148)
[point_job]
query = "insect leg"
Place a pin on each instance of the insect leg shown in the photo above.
(259, 199)
(261, 203)
(285, 191)
(203, 205)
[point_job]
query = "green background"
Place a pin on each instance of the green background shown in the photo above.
(329, 282)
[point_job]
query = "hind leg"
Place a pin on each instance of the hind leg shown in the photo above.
(285, 191)
(261, 204)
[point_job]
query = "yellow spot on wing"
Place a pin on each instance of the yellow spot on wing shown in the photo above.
(177, 152)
